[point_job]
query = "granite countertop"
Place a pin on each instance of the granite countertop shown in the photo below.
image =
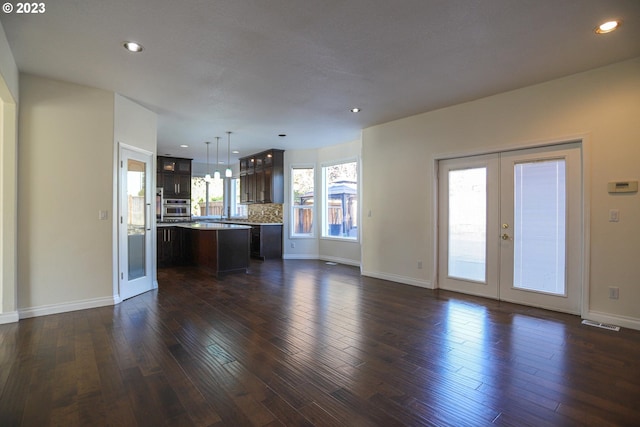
(213, 226)
(246, 222)
(204, 225)
(241, 221)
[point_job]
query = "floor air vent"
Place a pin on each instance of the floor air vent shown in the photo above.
(601, 325)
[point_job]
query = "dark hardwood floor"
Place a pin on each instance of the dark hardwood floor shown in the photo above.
(305, 343)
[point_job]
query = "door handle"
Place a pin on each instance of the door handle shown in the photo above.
(147, 220)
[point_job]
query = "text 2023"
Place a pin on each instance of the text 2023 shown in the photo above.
(30, 7)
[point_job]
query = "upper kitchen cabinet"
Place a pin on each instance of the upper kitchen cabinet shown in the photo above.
(174, 176)
(174, 165)
(262, 177)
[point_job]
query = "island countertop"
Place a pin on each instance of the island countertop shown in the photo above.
(213, 226)
(203, 225)
(246, 222)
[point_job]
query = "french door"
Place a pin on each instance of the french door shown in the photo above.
(134, 222)
(510, 226)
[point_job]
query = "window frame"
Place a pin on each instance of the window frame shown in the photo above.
(324, 201)
(292, 207)
(232, 199)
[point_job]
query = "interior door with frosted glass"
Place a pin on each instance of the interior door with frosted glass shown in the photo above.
(541, 227)
(135, 223)
(468, 208)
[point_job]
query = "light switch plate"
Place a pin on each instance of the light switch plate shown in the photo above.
(103, 215)
(614, 215)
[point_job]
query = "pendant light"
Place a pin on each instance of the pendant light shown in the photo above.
(228, 173)
(207, 177)
(216, 174)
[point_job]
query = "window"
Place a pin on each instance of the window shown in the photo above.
(302, 185)
(237, 209)
(206, 200)
(340, 204)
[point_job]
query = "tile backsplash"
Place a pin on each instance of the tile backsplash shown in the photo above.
(268, 212)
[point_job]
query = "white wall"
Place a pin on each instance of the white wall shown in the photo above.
(135, 125)
(602, 105)
(8, 182)
(345, 252)
(8, 67)
(65, 176)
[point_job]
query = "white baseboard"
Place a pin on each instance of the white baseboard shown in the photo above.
(400, 279)
(10, 317)
(300, 256)
(322, 258)
(612, 319)
(337, 260)
(45, 310)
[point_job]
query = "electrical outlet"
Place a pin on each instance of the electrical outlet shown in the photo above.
(614, 292)
(293, 245)
(419, 265)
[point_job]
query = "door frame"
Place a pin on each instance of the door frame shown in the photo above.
(584, 141)
(115, 237)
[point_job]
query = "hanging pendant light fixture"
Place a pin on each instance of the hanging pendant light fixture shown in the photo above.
(228, 173)
(216, 174)
(207, 177)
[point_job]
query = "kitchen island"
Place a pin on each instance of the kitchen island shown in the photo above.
(217, 248)
(266, 238)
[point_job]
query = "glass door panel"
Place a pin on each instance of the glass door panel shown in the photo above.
(468, 224)
(136, 218)
(539, 226)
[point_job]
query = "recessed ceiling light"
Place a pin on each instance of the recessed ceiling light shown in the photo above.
(235, 152)
(184, 146)
(355, 110)
(608, 27)
(133, 46)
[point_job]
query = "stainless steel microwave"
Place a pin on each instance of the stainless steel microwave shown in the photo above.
(172, 208)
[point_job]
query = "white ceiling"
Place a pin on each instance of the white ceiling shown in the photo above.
(261, 68)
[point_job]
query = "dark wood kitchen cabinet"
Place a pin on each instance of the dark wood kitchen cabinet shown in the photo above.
(247, 188)
(262, 177)
(173, 246)
(174, 177)
(219, 248)
(266, 241)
